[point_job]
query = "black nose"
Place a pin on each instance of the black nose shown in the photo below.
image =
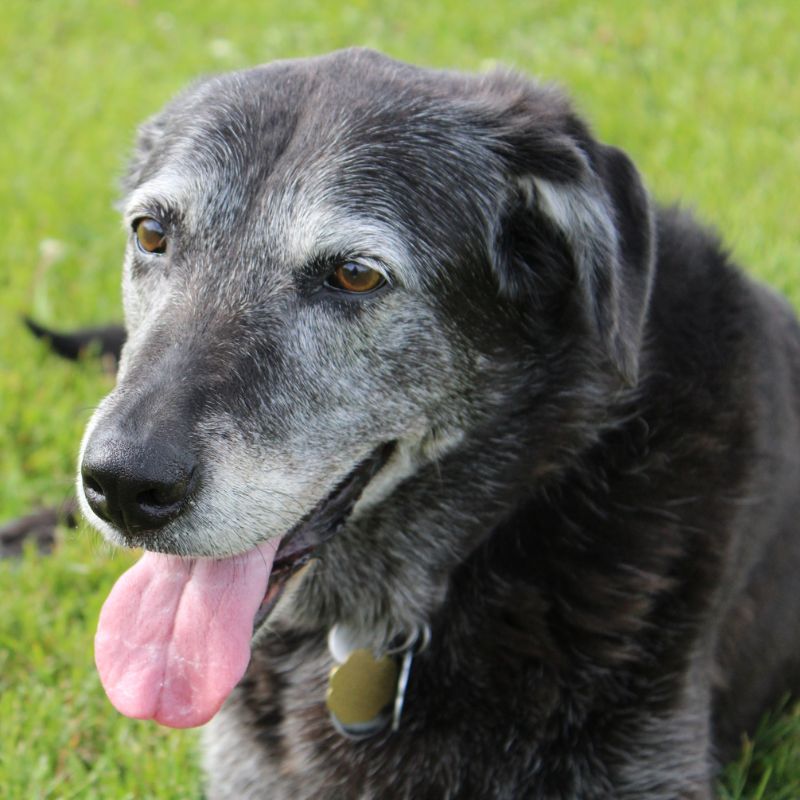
(136, 487)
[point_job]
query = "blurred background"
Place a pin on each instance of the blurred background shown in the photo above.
(704, 96)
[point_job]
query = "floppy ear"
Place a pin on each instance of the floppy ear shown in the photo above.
(592, 197)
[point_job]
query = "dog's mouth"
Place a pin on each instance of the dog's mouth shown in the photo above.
(302, 542)
(173, 638)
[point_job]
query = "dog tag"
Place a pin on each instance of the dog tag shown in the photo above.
(361, 693)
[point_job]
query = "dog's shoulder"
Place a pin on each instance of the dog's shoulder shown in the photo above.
(714, 328)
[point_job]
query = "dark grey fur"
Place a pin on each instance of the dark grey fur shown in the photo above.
(106, 341)
(594, 497)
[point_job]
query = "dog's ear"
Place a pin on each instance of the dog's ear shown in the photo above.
(571, 194)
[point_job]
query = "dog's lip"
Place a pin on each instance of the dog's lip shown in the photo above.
(301, 542)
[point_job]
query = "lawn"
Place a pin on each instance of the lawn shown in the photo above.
(705, 97)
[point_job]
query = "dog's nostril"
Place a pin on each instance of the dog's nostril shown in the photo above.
(92, 485)
(95, 495)
(149, 505)
(163, 496)
(152, 498)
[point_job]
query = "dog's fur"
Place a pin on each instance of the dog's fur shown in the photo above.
(593, 499)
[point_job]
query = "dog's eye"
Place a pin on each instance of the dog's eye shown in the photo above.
(355, 278)
(150, 236)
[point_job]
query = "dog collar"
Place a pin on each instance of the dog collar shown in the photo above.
(365, 693)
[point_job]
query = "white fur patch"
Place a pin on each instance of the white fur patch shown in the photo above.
(320, 228)
(405, 461)
(581, 214)
(169, 188)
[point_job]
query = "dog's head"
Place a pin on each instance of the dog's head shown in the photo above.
(367, 305)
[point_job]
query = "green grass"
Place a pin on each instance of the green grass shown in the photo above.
(704, 96)
(59, 738)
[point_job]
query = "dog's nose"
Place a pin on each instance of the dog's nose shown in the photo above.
(136, 488)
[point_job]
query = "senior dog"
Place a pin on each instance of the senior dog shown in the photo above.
(419, 382)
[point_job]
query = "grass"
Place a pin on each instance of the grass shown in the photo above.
(704, 97)
(59, 737)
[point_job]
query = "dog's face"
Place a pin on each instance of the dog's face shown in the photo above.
(346, 280)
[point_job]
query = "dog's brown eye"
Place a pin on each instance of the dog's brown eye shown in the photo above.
(150, 235)
(354, 277)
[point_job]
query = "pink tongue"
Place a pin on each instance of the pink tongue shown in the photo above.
(173, 637)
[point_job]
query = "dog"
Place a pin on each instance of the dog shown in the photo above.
(463, 470)
(106, 341)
